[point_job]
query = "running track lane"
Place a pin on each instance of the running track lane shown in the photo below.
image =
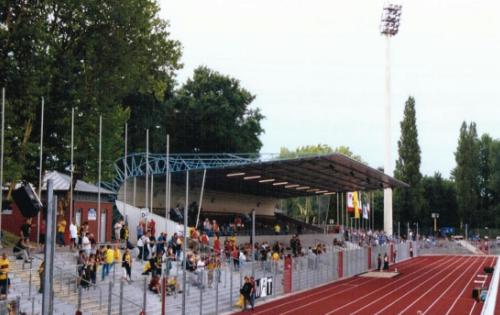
(299, 299)
(447, 276)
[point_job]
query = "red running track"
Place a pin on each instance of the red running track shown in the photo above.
(425, 285)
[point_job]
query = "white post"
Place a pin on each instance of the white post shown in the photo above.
(184, 246)
(1, 161)
(99, 183)
(71, 165)
(125, 167)
(167, 174)
(134, 192)
(388, 160)
(40, 179)
(151, 193)
(146, 178)
(201, 197)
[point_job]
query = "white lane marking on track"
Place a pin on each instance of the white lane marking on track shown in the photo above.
(321, 293)
(453, 283)
(453, 265)
(462, 292)
(440, 261)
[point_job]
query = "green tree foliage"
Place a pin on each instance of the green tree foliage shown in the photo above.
(23, 71)
(88, 55)
(211, 113)
(319, 149)
(440, 197)
(466, 174)
(408, 201)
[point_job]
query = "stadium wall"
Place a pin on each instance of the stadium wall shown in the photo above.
(217, 201)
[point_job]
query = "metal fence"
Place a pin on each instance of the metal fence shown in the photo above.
(207, 291)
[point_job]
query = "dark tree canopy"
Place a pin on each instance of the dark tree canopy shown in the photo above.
(89, 55)
(408, 201)
(211, 113)
(466, 173)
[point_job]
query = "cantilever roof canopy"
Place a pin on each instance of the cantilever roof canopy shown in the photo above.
(317, 175)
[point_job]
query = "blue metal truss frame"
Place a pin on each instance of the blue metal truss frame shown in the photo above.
(136, 163)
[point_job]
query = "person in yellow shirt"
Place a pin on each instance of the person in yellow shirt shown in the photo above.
(127, 265)
(277, 229)
(4, 275)
(117, 256)
(109, 259)
(61, 228)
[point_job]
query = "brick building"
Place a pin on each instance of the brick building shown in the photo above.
(85, 207)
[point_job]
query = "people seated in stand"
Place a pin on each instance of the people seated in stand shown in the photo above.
(22, 251)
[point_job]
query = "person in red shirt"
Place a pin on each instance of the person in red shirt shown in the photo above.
(217, 245)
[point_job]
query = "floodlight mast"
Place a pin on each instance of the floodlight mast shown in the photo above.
(389, 27)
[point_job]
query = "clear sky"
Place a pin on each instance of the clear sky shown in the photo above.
(317, 68)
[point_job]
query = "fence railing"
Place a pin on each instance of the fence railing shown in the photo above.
(217, 290)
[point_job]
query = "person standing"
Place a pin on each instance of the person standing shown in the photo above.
(73, 231)
(61, 228)
(4, 276)
(127, 265)
(109, 256)
(246, 291)
(386, 262)
(379, 262)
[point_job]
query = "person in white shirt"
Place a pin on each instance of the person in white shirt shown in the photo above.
(86, 246)
(73, 231)
(118, 228)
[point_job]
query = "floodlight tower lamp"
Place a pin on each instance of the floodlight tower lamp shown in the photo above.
(389, 27)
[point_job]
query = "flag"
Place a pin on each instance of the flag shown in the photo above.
(350, 205)
(355, 202)
(365, 206)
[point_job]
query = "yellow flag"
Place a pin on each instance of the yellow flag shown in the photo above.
(355, 202)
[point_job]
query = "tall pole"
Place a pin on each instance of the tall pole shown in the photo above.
(167, 174)
(125, 167)
(184, 247)
(151, 193)
(201, 197)
(49, 252)
(253, 242)
(1, 161)
(40, 172)
(389, 27)
(147, 171)
(337, 197)
(99, 183)
(387, 143)
(72, 165)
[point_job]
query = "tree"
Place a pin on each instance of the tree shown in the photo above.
(319, 149)
(485, 172)
(211, 113)
(466, 174)
(440, 197)
(23, 72)
(408, 201)
(88, 55)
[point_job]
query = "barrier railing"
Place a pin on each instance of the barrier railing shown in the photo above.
(217, 290)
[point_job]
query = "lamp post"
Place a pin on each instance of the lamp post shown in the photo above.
(435, 216)
(389, 27)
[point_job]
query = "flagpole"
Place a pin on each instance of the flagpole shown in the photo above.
(147, 172)
(1, 162)
(167, 173)
(151, 193)
(125, 167)
(40, 179)
(99, 183)
(71, 165)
